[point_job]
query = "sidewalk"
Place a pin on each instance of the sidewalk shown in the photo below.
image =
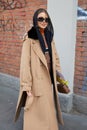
(8, 100)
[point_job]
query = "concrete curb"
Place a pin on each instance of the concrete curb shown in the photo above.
(80, 103)
(66, 102)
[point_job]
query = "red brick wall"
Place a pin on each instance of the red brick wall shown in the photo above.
(82, 3)
(80, 80)
(15, 21)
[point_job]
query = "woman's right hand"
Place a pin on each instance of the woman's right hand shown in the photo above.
(29, 100)
(29, 93)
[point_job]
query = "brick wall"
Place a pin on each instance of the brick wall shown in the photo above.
(15, 21)
(80, 80)
(82, 3)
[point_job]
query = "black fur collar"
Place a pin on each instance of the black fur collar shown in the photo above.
(32, 33)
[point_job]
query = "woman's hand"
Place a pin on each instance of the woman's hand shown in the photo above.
(29, 93)
(29, 100)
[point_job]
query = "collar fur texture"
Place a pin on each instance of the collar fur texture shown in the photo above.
(32, 34)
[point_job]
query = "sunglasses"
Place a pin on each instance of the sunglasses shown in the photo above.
(41, 19)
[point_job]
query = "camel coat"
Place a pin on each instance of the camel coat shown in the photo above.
(41, 111)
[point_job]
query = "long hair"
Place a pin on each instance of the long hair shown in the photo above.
(50, 26)
(49, 32)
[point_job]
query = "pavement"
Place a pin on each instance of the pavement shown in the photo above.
(8, 100)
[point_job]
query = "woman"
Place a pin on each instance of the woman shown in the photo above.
(39, 63)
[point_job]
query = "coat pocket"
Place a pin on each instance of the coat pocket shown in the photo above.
(29, 102)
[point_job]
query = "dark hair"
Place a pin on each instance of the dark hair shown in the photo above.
(50, 26)
(49, 32)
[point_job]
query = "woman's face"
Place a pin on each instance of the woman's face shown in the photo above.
(42, 20)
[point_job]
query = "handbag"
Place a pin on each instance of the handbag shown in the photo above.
(63, 88)
(62, 85)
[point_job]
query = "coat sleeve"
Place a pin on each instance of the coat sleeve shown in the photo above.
(57, 60)
(25, 67)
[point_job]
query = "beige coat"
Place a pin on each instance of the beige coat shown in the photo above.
(34, 75)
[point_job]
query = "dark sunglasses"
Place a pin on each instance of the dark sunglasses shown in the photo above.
(41, 19)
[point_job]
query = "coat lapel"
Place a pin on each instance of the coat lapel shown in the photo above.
(37, 49)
